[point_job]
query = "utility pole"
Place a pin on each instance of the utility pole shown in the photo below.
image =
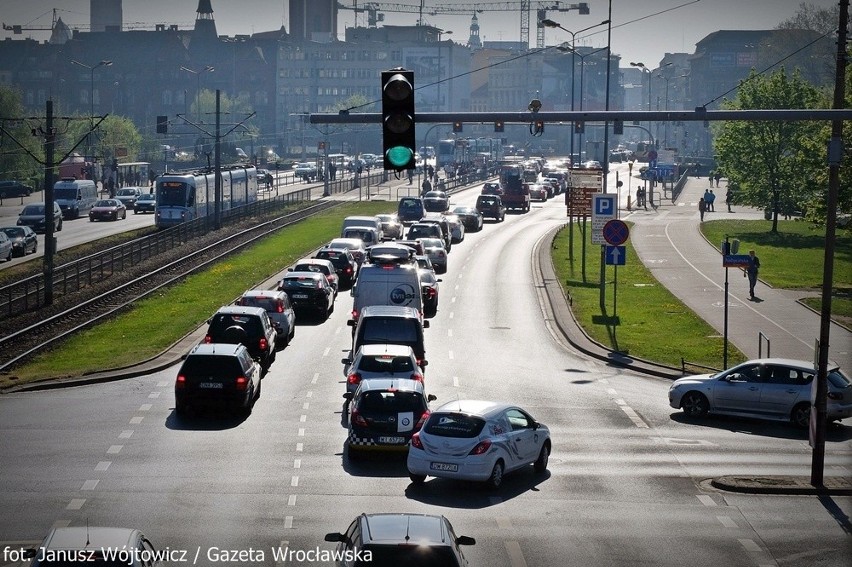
(217, 164)
(835, 155)
(49, 239)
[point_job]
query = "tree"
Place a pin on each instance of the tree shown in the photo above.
(769, 162)
(15, 162)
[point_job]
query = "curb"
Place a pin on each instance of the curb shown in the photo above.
(788, 485)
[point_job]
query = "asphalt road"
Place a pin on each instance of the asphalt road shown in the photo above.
(625, 484)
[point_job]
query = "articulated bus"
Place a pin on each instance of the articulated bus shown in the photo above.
(183, 197)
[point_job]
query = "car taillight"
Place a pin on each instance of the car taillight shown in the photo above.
(263, 344)
(358, 419)
(208, 339)
(348, 269)
(421, 421)
(481, 448)
(431, 293)
(279, 306)
(354, 314)
(180, 383)
(353, 378)
(417, 376)
(416, 442)
(241, 383)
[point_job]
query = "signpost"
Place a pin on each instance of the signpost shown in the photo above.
(603, 210)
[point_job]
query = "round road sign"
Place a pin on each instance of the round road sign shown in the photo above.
(615, 232)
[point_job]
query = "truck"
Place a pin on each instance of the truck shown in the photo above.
(516, 194)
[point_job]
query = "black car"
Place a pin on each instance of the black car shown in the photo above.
(33, 216)
(410, 209)
(308, 292)
(146, 203)
(24, 239)
(413, 540)
(470, 218)
(14, 189)
(220, 375)
(344, 264)
(249, 326)
(436, 201)
(491, 206)
(384, 413)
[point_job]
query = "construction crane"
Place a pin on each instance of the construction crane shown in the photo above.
(373, 16)
(19, 29)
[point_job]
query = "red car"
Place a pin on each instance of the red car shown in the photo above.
(108, 209)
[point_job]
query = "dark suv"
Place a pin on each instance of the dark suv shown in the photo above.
(344, 264)
(249, 326)
(384, 413)
(217, 374)
(383, 324)
(413, 540)
(410, 209)
(491, 206)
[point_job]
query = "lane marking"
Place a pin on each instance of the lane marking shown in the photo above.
(103, 465)
(706, 500)
(136, 420)
(154, 395)
(449, 332)
(294, 482)
(310, 394)
(90, 484)
(750, 545)
(727, 521)
(455, 381)
(303, 418)
(126, 434)
(114, 449)
(326, 351)
(300, 447)
(451, 314)
(145, 407)
(288, 522)
(315, 378)
(306, 405)
(162, 384)
(301, 432)
(504, 522)
(634, 417)
(297, 463)
(75, 504)
(450, 353)
(291, 501)
(516, 556)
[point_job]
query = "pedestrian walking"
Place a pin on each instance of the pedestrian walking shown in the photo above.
(427, 186)
(751, 272)
(710, 177)
(711, 207)
(729, 199)
(717, 177)
(702, 207)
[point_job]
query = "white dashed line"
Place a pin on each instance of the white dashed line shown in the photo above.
(504, 522)
(90, 484)
(315, 378)
(727, 522)
(750, 545)
(288, 522)
(451, 314)
(291, 500)
(453, 299)
(136, 420)
(306, 405)
(297, 463)
(634, 417)
(450, 354)
(145, 407)
(114, 449)
(303, 418)
(310, 394)
(449, 332)
(326, 351)
(294, 482)
(126, 434)
(301, 432)
(611, 391)
(706, 500)
(154, 395)
(162, 384)
(300, 447)
(103, 465)
(75, 504)
(455, 381)
(516, 556)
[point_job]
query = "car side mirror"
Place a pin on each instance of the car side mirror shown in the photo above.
(425, 324)
(465, 540)
(351, 322)
(335, 537)
(348, 396)
(290, 269)
(345, 361)
(431, 398)
(424, 364)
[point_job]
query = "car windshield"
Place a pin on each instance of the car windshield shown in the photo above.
(432, 243)
(105, 203)
(146, 197)
(454, 425)
(125, 192)
(409, 205)
(390, 401)
(386, 363)
(33, 210)
(13, 232)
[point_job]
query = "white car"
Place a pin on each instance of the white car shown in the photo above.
(771, 388)
(456, 228)
(478, 440)
(382, 361)
(354, 245)
(434, 249)
(306, 170)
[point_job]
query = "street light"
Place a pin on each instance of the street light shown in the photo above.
(440, 33)
(552, 24)
(667, 79)
(207, 69)
(91, 68)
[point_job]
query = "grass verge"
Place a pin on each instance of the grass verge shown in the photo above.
(650, 322)
(158, 321)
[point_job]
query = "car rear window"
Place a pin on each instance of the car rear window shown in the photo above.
(298, 283)
(221, 323)
(266, 303)
(211, 365)
(454, 425)
(318, 268)
(393, 330)
(386, 363)
(390, 401)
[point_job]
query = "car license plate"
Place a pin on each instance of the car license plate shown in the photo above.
(444, 467)
(299, 296)
(211, 385)
(393, 440)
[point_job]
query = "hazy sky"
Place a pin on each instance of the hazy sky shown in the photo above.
(643, 30)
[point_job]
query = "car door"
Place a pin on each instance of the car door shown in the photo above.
(784, 388)
(523, 438)
(739, 390)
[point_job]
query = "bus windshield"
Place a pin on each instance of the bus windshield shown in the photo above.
(171, 193)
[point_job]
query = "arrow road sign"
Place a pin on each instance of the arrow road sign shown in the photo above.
(615, 232)
(615, 255)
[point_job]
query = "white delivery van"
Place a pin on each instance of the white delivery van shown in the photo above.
(387, 281)
(368, 235)
(373, 221)
(75, 196)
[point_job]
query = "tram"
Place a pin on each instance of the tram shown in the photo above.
(182, 197)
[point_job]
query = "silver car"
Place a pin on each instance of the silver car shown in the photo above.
(777, 389)
(382, 361)
(277, 306)
(434, 249)
(478, 440)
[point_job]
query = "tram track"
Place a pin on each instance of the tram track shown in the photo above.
(93, 305)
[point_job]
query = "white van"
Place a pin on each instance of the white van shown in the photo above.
(374, 222)
(368, 235)
(387, 282)
(75, 196)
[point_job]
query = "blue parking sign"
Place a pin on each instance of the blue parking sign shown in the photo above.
(604, 205)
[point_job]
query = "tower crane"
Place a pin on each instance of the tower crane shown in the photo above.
(373, 8)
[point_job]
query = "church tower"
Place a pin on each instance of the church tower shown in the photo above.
(474, 42)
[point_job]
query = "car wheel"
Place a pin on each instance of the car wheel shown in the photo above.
(35, 248)
(496, 479)
(257, 392)
(59, 228)
(695, 404)
(540, 464)
(9, 256)
(801, 415)
(417, 478)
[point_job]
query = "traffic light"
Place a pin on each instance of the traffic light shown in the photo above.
(499, 126)
(618, 127)
(539, 127)
(398, 139)
(579, 127)
(162, 125)
(458, 126)
(584, 8)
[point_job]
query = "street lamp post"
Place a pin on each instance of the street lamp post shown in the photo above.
(552, 24)
(91, 68)
(644, 71)
(440, 33)
(207, 69)
(667, 79)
